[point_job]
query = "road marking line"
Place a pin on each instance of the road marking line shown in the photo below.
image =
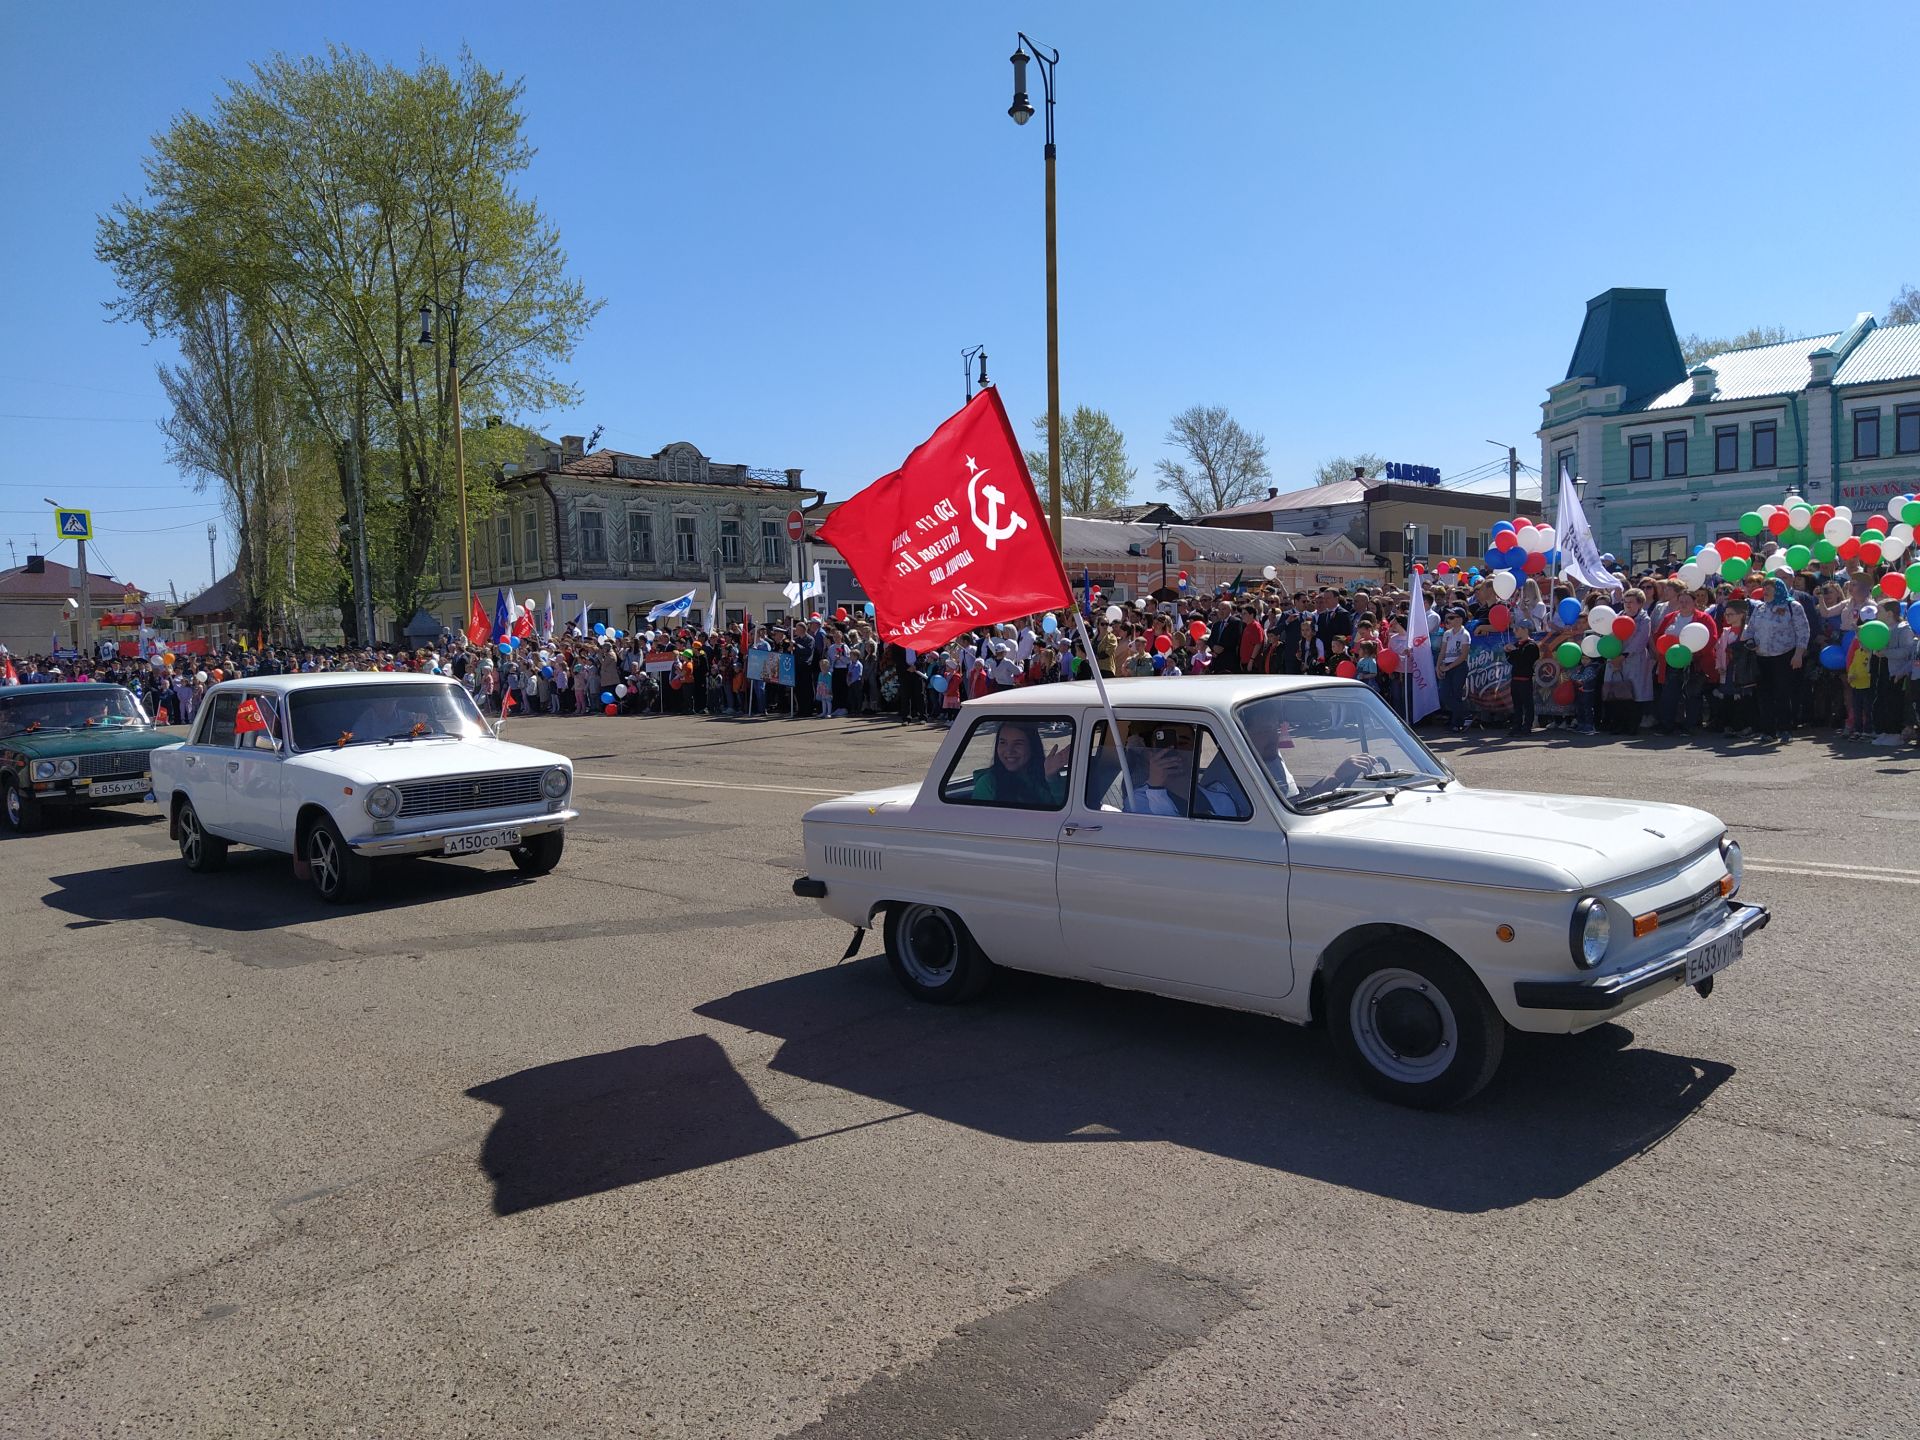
(1841, 867)
(1837, 872)
(711, 784)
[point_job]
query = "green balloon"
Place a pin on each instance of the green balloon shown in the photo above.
(1824, 552)
(1569, 653)
(1875, 535)
(1910, 512)
(1874, 635)
(1751, 523)
(1913, 577)
(1735, 569)
(1678, 657)
(1610, 647)
(1798, 556)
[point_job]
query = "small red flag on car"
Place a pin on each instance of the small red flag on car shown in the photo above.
(955, 538)
(248, 718)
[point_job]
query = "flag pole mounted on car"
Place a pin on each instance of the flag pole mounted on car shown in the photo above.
(953, 540)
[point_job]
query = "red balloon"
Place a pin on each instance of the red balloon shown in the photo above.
(1746, 551)
(1821, 517)
(1870, 552)
(1346, 670)
(1878, 522)
(1563, 693)
(1505, 540)
(841, 614)
(1521, 522)
(1444, 566)
(1778, 522)
(1419, 569)
(1893, 584)
(1757, 592)
(1534, 564)
(1664, 644)
(1389, 661)
(1500, 617)
(1850, 547)
(1623, 627)
(1198, 629)
(1183, 574)
(613, 709)
(1163, 643)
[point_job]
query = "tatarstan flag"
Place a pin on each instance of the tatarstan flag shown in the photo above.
(956, 538)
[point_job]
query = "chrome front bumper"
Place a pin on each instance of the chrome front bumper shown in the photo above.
(431, 842)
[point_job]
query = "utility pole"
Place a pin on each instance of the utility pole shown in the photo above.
(357, 540)
(1513, 480)
(213, 565)
(85, 646)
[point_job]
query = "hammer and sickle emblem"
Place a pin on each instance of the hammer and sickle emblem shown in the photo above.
(991, 526)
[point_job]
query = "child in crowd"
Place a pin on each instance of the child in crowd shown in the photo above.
(1524, 655)
(1367, 667)
(1739, 666)
(1859, 672)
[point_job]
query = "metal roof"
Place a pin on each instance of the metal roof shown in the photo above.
(1887, 352)
(1748, 374)
(1085, 540)
(1314, 497)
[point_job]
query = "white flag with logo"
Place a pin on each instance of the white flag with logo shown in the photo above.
(1579, 556)
(1424, 697)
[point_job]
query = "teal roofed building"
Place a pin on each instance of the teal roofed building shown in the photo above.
(1670, 457)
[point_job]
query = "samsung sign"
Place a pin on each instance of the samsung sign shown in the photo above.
(1413, 474)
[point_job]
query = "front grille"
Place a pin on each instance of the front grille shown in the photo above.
(1692, 905)
(113, 762)
(469, 792)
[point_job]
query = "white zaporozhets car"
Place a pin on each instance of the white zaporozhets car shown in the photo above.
(353, 766)
(1291, 848)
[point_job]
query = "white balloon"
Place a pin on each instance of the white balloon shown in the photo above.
(621, 691)
(1600, 619)
(1837, 530)
(1141, 603)
(201, 677)
(1710, 560)
(1844, 510)
(1504, 584)
(1799, 517)
(1869, 612)
(1531, 541)
(1690, 576)
(1901, 531)
(1268, 573)
(1777, 564)
(1590, 646)
(1694, 636)
(1114, 612)
(1892, 547)
(1765, 512)
(1547, 536)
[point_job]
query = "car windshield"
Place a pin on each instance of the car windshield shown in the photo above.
(381, 714)
(25, 714)
(1334, 740)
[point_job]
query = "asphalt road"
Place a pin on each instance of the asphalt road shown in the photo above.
(625, 1151)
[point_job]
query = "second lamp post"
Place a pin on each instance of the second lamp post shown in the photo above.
(1022, 111)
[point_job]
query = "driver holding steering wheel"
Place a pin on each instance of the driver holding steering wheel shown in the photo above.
(1264, 732)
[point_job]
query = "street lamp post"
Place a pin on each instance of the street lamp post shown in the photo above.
(966, 368)
(427, 309)
(1163, 556)
(1408, 533)
(1022, 111)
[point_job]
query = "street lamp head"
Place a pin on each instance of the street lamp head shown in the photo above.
(1022, 108)
(426, 323)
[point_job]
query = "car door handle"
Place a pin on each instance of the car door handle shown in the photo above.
(233, 764)
(1075, 829)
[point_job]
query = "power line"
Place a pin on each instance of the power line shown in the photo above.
(84, 419)
(69, 385)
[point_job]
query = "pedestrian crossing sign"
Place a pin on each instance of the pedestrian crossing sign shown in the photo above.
(74, 524)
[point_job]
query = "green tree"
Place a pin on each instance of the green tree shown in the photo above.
(1227, 463)
(1341, 467)
(330, 197)
(1094, 472)
(1695, 348)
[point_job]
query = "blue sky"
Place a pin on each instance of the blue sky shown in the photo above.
(1361, 226)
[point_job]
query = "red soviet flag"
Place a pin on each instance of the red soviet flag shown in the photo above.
(479, 627)
(956, 537)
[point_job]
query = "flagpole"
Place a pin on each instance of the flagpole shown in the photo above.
(1106, 702)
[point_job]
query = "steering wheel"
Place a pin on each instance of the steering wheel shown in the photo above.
(1356, 766)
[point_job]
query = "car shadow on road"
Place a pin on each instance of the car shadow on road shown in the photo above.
(598, 1122)
(257, 891)
(1057, 1062)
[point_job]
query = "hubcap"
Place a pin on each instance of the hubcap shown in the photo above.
(190, 836)
(929, 946)
(323, 859)
(13, 803)
(1404, 1026)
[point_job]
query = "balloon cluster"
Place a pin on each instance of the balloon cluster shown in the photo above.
(1806, 533)
(1520, 547)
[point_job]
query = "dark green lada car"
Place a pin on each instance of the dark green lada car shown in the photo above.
(72, 747)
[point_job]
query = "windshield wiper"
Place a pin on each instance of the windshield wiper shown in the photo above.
(1413, 777)
(1337, 798)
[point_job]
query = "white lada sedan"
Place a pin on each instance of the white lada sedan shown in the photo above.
(337, 770)
(1287, 846)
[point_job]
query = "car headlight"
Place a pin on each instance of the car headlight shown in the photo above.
(383, 802)
(1591, 932)
(43, 769)
(66, 769)
(1736, 865)
(556, 782)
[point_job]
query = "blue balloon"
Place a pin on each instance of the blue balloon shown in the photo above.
(546, 672)
(1049, 624)
(599, 627)
(606, 697)
(1501, 525)
(1491, 560)
(912, 656)
(1159, 662)
(512, 642)
(619, 634)
(869, 609)
(1834, 658)
(939, 683)
(1569, 611)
